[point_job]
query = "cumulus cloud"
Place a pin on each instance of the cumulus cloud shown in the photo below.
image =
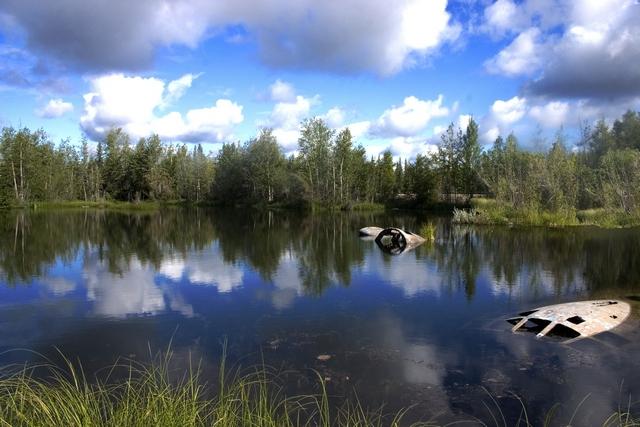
(371, 35)
(54, 108)
(131, 103)
(359, 129)
(502, 117)
(507, 16)
(586, 49)
(509, 111)
(410, 118)
(523, 115)
(334, 117)
(282, 91)
(286, 117)
(522, 56)
(501, 16)
(551, 115)
(410, 147)
(463, 121)
(177, 88)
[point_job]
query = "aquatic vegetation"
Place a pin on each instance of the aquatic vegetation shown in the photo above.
(493, 212)
(428, 231)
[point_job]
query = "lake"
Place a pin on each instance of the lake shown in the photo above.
(425, 328)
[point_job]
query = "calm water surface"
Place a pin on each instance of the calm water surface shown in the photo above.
(424, 328)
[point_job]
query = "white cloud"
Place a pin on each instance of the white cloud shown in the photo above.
(117, 100)
(509, 111)
(551, 115)
(409, 148)
(501, 16)
(410, 118)
(490, 135)
(359, 129)
(365, 35)
(503, 116)
(54, 108)
(286, 117)
(282, 91)
(570, 49)
(438, 130)
(507, 16)
(177, 88)
(463, 121)
(522, 56)
(334, 117)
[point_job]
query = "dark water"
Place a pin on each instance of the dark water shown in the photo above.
(425, 328)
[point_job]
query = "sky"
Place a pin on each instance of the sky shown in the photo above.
(397, 73)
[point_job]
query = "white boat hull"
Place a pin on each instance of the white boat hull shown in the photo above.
(574, 320)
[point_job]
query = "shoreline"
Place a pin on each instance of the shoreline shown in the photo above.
(480, 211)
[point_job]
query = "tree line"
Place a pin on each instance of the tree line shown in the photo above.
(329, 169)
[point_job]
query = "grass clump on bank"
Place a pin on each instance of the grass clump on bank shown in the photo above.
(155, 395)
(491, 212)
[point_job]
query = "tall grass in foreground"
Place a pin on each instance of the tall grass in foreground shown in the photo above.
(153, 395)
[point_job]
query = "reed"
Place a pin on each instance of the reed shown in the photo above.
(155, 395)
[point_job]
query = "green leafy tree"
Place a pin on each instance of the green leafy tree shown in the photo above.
(266, 165)
(470, 159)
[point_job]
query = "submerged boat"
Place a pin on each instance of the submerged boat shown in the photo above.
(370, 231)
(396, 241)
(573, 320)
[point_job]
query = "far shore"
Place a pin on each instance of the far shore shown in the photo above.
(480, 211)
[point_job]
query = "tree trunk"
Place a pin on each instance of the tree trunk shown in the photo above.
(21, 177)
(15, 182)
(341, 184)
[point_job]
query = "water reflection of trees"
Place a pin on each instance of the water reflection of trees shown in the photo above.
(326, 246)
(323, 249)
(38, 239)
(540, 260)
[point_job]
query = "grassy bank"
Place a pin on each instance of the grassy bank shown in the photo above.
(492, 212)
(103, 204)
(355, 206)
(156, 395)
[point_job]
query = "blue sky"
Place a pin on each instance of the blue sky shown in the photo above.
(396, 73)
